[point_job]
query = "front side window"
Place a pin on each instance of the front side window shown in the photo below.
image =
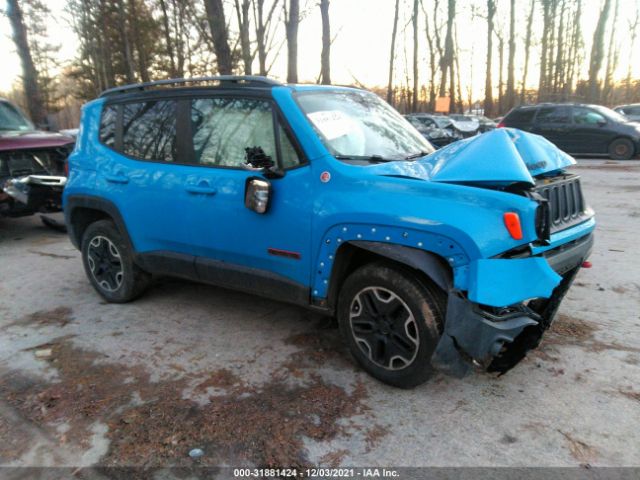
(553, 115)
(354, 124)
(223, 128)
(149, 130)
(586, 116)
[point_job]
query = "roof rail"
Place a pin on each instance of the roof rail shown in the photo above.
(223, 80)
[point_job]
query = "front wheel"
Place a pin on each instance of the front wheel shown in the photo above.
(108, 262)
(392, 322)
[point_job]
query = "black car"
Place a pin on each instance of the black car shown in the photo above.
(579, 128)
(436, 132)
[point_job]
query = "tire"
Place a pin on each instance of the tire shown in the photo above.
(621, 149)
(108, 263)
(391, 322)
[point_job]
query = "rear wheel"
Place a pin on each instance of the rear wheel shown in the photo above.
(391, 322)
(621, 149)
(108, 262)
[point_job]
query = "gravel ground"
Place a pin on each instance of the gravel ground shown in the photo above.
(255, 382)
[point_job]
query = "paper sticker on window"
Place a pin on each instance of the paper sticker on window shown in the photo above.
(333, 123)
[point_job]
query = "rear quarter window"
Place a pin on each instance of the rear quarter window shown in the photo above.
(108, 125)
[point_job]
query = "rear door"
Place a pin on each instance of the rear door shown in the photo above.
(554, 123)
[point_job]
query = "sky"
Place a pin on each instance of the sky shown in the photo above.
(362, 31)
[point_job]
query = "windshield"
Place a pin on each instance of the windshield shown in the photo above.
(610, 114)
(359, 124)
(12, 119)
(442, 122)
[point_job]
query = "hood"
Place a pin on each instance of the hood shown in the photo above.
(500, 157)
(15, 140)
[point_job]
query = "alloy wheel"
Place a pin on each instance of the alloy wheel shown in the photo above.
(384, 328)
(105, 263)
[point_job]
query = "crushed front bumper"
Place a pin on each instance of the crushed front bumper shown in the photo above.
(32, 193)
(478, 332)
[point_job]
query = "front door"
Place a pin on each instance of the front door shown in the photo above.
(237, 246)
(591, 134)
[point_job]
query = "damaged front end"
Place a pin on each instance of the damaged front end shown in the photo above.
(32, 181)
(500, 307)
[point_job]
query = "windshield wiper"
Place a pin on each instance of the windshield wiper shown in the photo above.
(413, 156)
(370, 158)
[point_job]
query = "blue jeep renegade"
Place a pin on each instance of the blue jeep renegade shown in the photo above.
(326, 197)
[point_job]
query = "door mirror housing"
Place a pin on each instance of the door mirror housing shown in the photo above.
(258, 161)
(257, 194)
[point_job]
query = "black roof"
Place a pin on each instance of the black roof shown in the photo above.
(221, 81)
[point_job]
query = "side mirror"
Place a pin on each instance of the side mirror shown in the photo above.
(602, 122)
(257, 194)
(259, 162)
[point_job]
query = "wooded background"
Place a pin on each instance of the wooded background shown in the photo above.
(126, 41)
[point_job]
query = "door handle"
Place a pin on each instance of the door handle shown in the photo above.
(203, 188)
(117, 178)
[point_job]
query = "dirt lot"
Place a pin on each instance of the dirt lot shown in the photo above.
(255, 382)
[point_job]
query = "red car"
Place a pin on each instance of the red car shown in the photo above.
(32, 165)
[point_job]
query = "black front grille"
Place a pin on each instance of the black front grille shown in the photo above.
(565, 203)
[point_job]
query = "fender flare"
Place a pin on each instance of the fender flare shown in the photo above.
(426, 262)
(75, 202)
(423, 250)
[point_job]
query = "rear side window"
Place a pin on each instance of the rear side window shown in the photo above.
(521, 115)
(553, 115)
(149, 130)
(108, 125)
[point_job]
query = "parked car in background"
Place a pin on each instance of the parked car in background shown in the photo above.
(465, 124)
(32, 165)
(579, 128)
(327, 198)
(486, 124)
(429, 128)
(631, 112)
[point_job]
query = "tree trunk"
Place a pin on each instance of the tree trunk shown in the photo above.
(612, 58)
(511, 82)
(500, 74)
(29, 73)
(414, 19)
(292, 20)
(167, 38)
(597, 53)
(527, 51)
(392, 54)
(446, 62)
(325, 56)
(143, 57)
(242, 12)
(544, 44)
(122, 28)
(220, 35)
(488, 86)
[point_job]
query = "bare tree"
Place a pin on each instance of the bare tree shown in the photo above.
(392, 54)
(242, 14)
(264, 31)
(220, 35)
(544, 46)
(597, 53)
(32, 93)
(511, 82)
(488, 85)
(613, 55)
(325, 56)
(447, 59)
(414, 21)
(527, 51)
(633, 26)
(291, 22)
